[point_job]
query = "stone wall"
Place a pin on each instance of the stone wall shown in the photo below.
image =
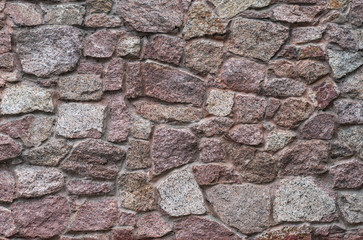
(181, 119)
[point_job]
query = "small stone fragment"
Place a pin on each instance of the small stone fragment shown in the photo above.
(311, 70)
(119, 126)
(296, 13)
(292, 112)
(7, 224)
(321, 126)
(272, 106)
(344, 62)
(138, 155)
(211, 150)
(278, 139)
(213, 174)
(306, 34)
(8, 148)
(347, 175)
(152, 226)
(322, 93)
(88, 187)
(7, 190)
(302, 232)
(134, 82)
(353, 136)
(141, 128)
(80, 87)
(128, 46)
(24, 14)
(66, 14)
(249, 109)
(349, 111)
(249, 134)
(220, 102)
(352, 85)
(228, 9)
(212, 126)
(99, 5)
(101, 20)
(351, 205)
(100, 44)
(283, 87)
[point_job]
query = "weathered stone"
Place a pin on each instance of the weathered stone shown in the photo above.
(292, 112)
(282, 68)
(196, 228)
(278, 139)
(349, 111)
(239, 154)
(119, 125)
(7, 62)
(283, 87)
(134, 83)
(295, 13)
(322, 93)
(311, 51)
(211, 150)
(272, 106)
(94, 158)
(302, 232)
(344, 62)
(7, 224)
(150, 15)
(7, 190)
(303, 158)
(243, 75)
(212, 126)
(9, 148)
(26, 98)
(38, 181)
(249, 109)
(99, 5)
(356, 14)
(352, 85)
(5, 42)
(213, 174)
(180, 195)
(311, 70)
(256, 38)
(77, 120)
(228, 9)
(88, 187)
(342, 36)
(49, 50)
(9, 77)
(100, 44)
(220, 102)
(249, 134)
(167, 113)
(100, 20)
(164, 48)
(152, 226)
(141, 128)
(95, 216)
(138, 155)
(172, 148)
(87, 66)
(136, 192)
(339, 149)
(321, 126)
(24, 14)
(353, 136)
(128, 45)
(123, 234)
(306, 34)
(127, 219)
(43, 218)
(80, 87)
(351, 205)
(65, 14)
(336, 4)
(253, 204)
(114, 74)
(171, 85)
(347, 175)
(302, 199)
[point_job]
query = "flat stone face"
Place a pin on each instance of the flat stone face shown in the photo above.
(33, 217)
(213, 174)
(323, 93)
(5, 42)
(124, 234)
(249, 134)
(99, 5)
(24, 14)
(136, 193)
(211, 150)
(26, 98)
(138, 154)
(119, 125)
(351, 205)
(134, 82)
(82, 87)
(195, 228)
(356, 14)
(283, 87)
(95, 216)
(249, 109)
(302, 232)
(77, 120)
(7, 224)
(311, 70)
(306, 34)
(295, 13)
(9, 148)
(94, 158)
(141, 128)
(253, 204)
(349, 111)
(172, 148)
(239, 154)
(212, 126)
(352, 86)
(88, 187)
(228, 9)
(171, 85)
(321, 126)
(353, 136)
(302, 199)
(113, 75)
(256, 39)
(343, 62)
(128, 46)
(342, 36)
(99, 20)
(347, 175)
(152, 226)
(38, 181)
(180, 195)
(278, 139)
(49, 50)
(292, 112)
(339, 149)
(220, 102)
(100, 44)
(151, 15)
(7, 191)
(67, 14)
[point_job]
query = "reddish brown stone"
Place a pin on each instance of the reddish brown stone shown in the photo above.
(95, 216)
(7, 183)
(311, 70)
(102, 20)
(287, 233)
(9, 148)
(295, 13)
(261, 169)
(272, 106)
(212, 126)
(249, 109)
(306, 34)
(88, 187)
(119, 126)
(347, 175)
(134, 83)
(127, 219)
(239, 154)
(5, 42)
(341, 35)
(114, 75)
(90, 67)
(18, 128)
(282, 68)
(24, 14)
(7, 224)
(321, 126)
(152, 226)
(94, 158)
(249, 134)
(100, 44)
(211, 150)
(214, 174)
(323, 93)
(138, 154)
(292, 112)
(349, 111)
(123, 234)
(311, 51)
(43, 218)
(172, 148)
(283, 87)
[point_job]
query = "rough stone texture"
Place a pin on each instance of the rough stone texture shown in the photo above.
(113, 75)
(249, 134)
(138, 155)
(311, 70)
(24, 14)
(68, 14)
(87, 187)
(212, 126)
(292, 112)
(211, 150)
(214, 174)
(249, 109)
(252, 202)
(302, 199)
(180, 195)
(322, 93)
(282, 68)
(99, 5)
(321, 126)
(272, 106)
(5, 42)
(356, 14)
(9, 148)
(349, 111)
(44, 218)
(295, 13)
(353, 136)
(128, 45)
(278, 139)
(94, 158)
(220, 103)
(352, 86)
(7, 191)
(100, 44)
(99, 20)
(350, 204)
(283, 87)
(95, 216)
(343, 62)
(119, 124)
(7, 225)
(347, 175)
(256, 39)
(127, 219)
(152, 226)
(134, 82)
(141, 128)
(339, 149)
(228, 9)
(306, 34)
(49, 50)
(172, 148)
(302, 232)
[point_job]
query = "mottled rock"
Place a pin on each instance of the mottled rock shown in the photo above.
(138, 154)
(100, 44)
(249, 109)
(310, 51)
(211, 150)
(252, 202)
(213, 174)
(141, 128)
(77, 120)
(43, 218)
(7, 62)
(94, 158)
(243, 75)
(292, 112)
(339, 149)
(282, 68)
(49, 50)
(7, 191)
(113, 75)
(321, 126)
(228, 9)
(349, 111)
(239, 154)
(336, 4)
(9, 148)
(351, 205)
(302, 232)
(249, 134)
(356, 14)
(87, 66)
(65, 14)
(343, 62)
(88, 187)
(322, 93)
(7, 224)
(5, 42)
(353, 136)
(220, 102)
(99, 5)
(172, 148)
(123, 234)
(180, 194)
(256, 38)
(164, 48)
(212, 126)
(272, 106)
(134, 82)
(311, 70)
(24, 14)
(197, 228)
(80, 87)
(167, 113)
(295, 13)
(152, 226)
(136, 192)
(95, 216)
(278, 139)
(283, 87)
(302, 199)
(26, 98)
(100, 20)
(261, 169)
(172, 85)
(306, 34)
(347, 175)
(341, 35)
(127, 219)
(352, 85)
(119, 125)
(128, 45)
